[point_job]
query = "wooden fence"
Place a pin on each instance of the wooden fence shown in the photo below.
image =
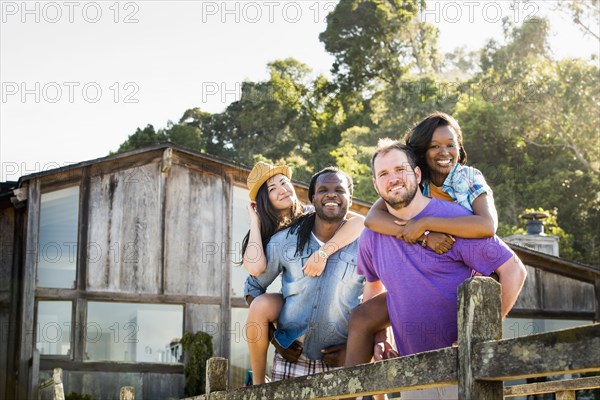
(53, 388)
(479, 365)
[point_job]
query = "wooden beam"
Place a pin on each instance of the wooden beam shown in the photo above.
(108, 366)
(79, 314)
(417, 371)
(597, 292)
(27, 292)
(552, 386)
(67, 294)
(82, 230)
(10, 383)
(556, 265)
(552, 353)
(552, 314)
(226, 217)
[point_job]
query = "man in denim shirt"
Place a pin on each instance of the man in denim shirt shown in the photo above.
(315, 315)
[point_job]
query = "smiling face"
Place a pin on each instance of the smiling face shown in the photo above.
(281, 192)
(442, 154)
(395, 180)
(332, 197)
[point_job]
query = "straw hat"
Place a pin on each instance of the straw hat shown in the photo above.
(261, 172)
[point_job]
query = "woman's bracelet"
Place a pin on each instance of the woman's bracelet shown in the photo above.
(424, 242)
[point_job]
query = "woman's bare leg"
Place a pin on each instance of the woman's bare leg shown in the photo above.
(263, 310)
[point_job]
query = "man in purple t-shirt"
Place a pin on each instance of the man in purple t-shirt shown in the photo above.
(409, 285)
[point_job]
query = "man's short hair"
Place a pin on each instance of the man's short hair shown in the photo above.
(386, 145)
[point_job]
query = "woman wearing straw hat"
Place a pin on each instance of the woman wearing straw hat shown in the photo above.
(274, 206)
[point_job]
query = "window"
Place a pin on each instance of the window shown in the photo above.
(133, 332)
(53, 331)
(57, 245)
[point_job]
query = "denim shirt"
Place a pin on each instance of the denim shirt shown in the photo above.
(316, 307)
(464, 184)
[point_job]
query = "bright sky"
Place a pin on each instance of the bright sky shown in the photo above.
(78, 77)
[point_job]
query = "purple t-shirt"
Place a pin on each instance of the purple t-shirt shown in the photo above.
(422, 285)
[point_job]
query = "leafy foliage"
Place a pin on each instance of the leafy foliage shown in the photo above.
(377, 40)
(530, 122)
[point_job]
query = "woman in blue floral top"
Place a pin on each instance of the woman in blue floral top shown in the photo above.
(438, 144)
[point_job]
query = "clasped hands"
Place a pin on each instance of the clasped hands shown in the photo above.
(413, 230)
(333, 356)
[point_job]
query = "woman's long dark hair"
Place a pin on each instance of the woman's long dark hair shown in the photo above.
(419, 138)
(271, 220)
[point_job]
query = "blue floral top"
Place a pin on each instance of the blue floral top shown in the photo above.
(464, 184)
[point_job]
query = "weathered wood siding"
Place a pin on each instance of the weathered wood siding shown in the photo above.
(196, 212)
(7, 229)
(4, 318)
(27, 293)
(125, 251)
(565, 294)
(529, 297)
(549, 293)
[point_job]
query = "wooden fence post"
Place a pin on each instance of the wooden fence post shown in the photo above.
(59, 390)
(479, 309)
(565, 395)
(217, 376)
(127, 393)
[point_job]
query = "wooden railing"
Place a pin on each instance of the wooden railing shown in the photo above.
(479, 365)
(565, 390)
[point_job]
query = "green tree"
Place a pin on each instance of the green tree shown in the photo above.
(353, 155)
(141, 138)
(396, 110)
(531, 126)
(585, 14)
(376, 40)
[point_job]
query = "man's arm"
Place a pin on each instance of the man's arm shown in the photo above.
(512, 275)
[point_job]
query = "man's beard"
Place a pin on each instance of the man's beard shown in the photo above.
(397, 204)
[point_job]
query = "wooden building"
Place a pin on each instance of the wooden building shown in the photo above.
(104, 263)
